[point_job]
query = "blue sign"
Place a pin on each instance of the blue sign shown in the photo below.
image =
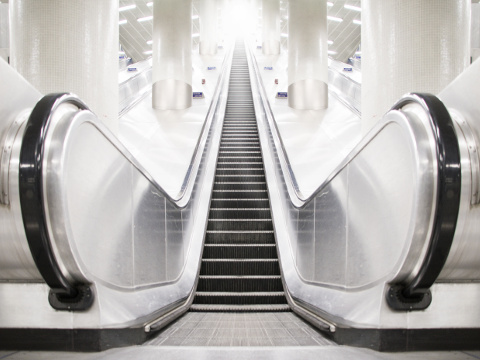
(268, 68)
(347, 69)
(259, 46)
(122, 57)
(211, 68)
(282, 95)
(132, 69)
(198, 95)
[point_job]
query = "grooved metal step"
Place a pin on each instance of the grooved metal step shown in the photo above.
(240, 269)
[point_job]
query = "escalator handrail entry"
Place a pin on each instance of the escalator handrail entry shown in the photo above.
(416, 294)
(64, 293)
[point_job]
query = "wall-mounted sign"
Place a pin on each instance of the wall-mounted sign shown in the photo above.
(281, 95)
(268, 68)
(198, 95)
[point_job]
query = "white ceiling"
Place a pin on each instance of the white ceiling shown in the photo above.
(134, 35)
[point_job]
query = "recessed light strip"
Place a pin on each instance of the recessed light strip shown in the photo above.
(128, 7)
(351, 7)
(333, 18)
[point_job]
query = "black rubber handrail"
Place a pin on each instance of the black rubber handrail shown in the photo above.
(416, 294)
(64, 293)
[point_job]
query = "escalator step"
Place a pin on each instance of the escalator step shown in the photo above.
(240, 213)
(240, 298)
(239, 308)
(240, 283)
(240, 203)
(240, 267)
(239, 251)
(240, 224)
(240, 237)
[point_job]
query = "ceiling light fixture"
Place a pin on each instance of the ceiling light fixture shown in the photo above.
(128, 7)
(149, 52)
(331, 52)
(195, 17)
(329, 3)
(146, 18)
(333, 18)
(122, 22)
(358, 22)
(330, 42)
(150, 4)
(351, 7)
(149, 42)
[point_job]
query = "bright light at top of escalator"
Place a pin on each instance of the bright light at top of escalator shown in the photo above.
(351, 7)
(329, 3)
(331, 52)
(149, 42)
(194, 17)
(122, 22)
(330, 42)
(333, 18)
(358, 22)
(150, 3)
(128, 7)
(146, 18)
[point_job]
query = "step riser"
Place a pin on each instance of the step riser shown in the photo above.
(240, 252)
(236, 300)
(219, 213)
(240, 268)
(247, 285)
(240, 238)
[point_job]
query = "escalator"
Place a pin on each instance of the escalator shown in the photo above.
(240, 269)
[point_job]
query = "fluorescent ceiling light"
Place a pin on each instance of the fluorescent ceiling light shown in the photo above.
(358, 22)
(149, 52)
(283, 35)
(351, 7)
(122, 22)
(128, 7)
(149, 42)
(195, 17)
(358, 53)
(146, 18)
(333, 18)
(331, 52)
(329, 3)
(330, 42)
(195, 34)
(150, 3)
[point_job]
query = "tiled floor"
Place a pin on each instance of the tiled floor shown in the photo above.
(240, 329)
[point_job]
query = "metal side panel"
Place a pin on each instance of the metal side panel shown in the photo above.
(371, 219)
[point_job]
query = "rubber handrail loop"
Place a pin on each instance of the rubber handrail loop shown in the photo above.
(32, 205)
(417, 291)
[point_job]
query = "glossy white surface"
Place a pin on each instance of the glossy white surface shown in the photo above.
(172, 54)
(163, 141)
(64, 46)
(410, 46)
(271, 27)
(208, 27)
(316, 141)
(307, 54)
(4, 32)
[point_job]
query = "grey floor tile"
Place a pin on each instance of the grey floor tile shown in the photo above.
(173, 341)
(240, 342)
(223, 333)
(307, 341)
(298, 332)
(240, 333)
(219, 342)
(207, 325)
(256, 333)
(260, 342)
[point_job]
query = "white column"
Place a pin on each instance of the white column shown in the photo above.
(410, 46)
(172, 54)
(307, 55)
(4, 32)
(208, 27)
(271, 27)
(69, 46)
(475, 33)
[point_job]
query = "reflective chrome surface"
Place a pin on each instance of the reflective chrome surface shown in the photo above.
(16, 262)
(461, 97)
(133, 89)
(113, 226)
(308, 95)
(171, 94)
(347, 90)
(366, 226)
